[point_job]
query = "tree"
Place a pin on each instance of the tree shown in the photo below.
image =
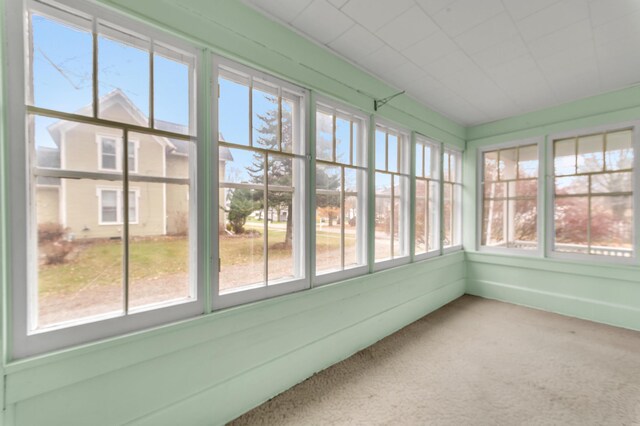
(327, 177)
(241, 205)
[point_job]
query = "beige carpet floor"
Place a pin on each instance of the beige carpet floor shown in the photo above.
(475, 362)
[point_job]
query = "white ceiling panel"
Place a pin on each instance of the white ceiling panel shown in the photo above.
(478, 60)
(322, 21)
(407, 29)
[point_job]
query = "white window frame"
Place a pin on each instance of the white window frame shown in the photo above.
(132, 142)
(550, 196)
(458, 210)
(539, 142)
(438, 146)
(404, 225)
(300, 183)
(361, 163)
(25, 339)
(119, 205)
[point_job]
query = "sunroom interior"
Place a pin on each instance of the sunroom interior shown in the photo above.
(204, 203)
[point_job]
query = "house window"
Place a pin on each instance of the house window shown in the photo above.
(341, 176)
(452, 198)
(593, 193)
(509, 190)
(111, 154)
(112, 205)
(427, 198)
(392, 195)
(262, 176)
(93, 112)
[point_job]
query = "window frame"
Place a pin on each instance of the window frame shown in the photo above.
(100, 189)
(248, 295)
(550, 232)
(458, 211)
(406, 160)
(362, 232)
(25, 341)
(541, 216)
(439, 146)
(100, 138)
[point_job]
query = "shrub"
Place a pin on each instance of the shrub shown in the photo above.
(56, 253)
(50, 232)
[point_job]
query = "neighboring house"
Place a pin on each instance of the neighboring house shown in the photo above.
(89, 208)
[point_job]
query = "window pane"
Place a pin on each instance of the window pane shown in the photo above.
(448, 215)
(79, 261)
(446, 162)
(132, 158)
(590, 154)
(288, 126)
(524, 188)
(281, 237)
(568, 185)
(343, 141)
(564, 157)
(233, 111)
(525, 219)
(508, 163)
(328, 186)
(490, 166)
(383, 216)
(619, 150)
(431, 162)
(528, 161)
(324, 136)
(434, 215)
(381, 150)
(420, 172)
(392, 153)
(62, 65)
(493, 223)
(109, 206)
(265, 119)
(612, 225)
(171, 97)
(612, 182)
(109, 153)
(400, 247)
(455, 164)
(421, 227)
(159, 244)
(123, 77)
(495, 189)
(353, 249)
(571, 223)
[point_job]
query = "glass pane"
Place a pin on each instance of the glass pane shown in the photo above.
(612, 226)
(79, 260)
(159, 244)
(324, 136)
(564, 157)
(572, 185)
(381, 150)
(62, 66)
(352, 249)
(241, 166)
(431, 162)
(571, 222)
(493, 223)
(360, 144)
(448, 215)
(265, 119)
(280, 256)
(233, 111)
(171, 97)
(508, 163)
(280, 170)
(525, 220)
(123, 78)
(392, 153)
(455, 167)
(288, 124)
(590, 154)
(383, 216)
(619, 150)
(109, 153)
(524, 188)
(495, 190)
(398, 211)
(420, 172)
(446, 161)
(241, 239)
(612, 182)
(109, 206)
(343, 141)
(528, 162)
(490, 166)
(422, 221)
(328, 187)
(434, 214)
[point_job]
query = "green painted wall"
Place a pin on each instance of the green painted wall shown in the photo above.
(211, 369)
(593, 290)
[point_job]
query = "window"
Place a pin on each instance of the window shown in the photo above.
(112, 205)
(90, 112)
(262, 176)
(509, 188)
(111, 154)
(452, 202)
(341, 177)
(593, 196)
(392, 195)
(427, 201)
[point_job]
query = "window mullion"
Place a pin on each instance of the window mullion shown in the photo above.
(125, 214)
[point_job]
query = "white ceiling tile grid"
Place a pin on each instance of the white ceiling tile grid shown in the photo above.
(476, 61)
